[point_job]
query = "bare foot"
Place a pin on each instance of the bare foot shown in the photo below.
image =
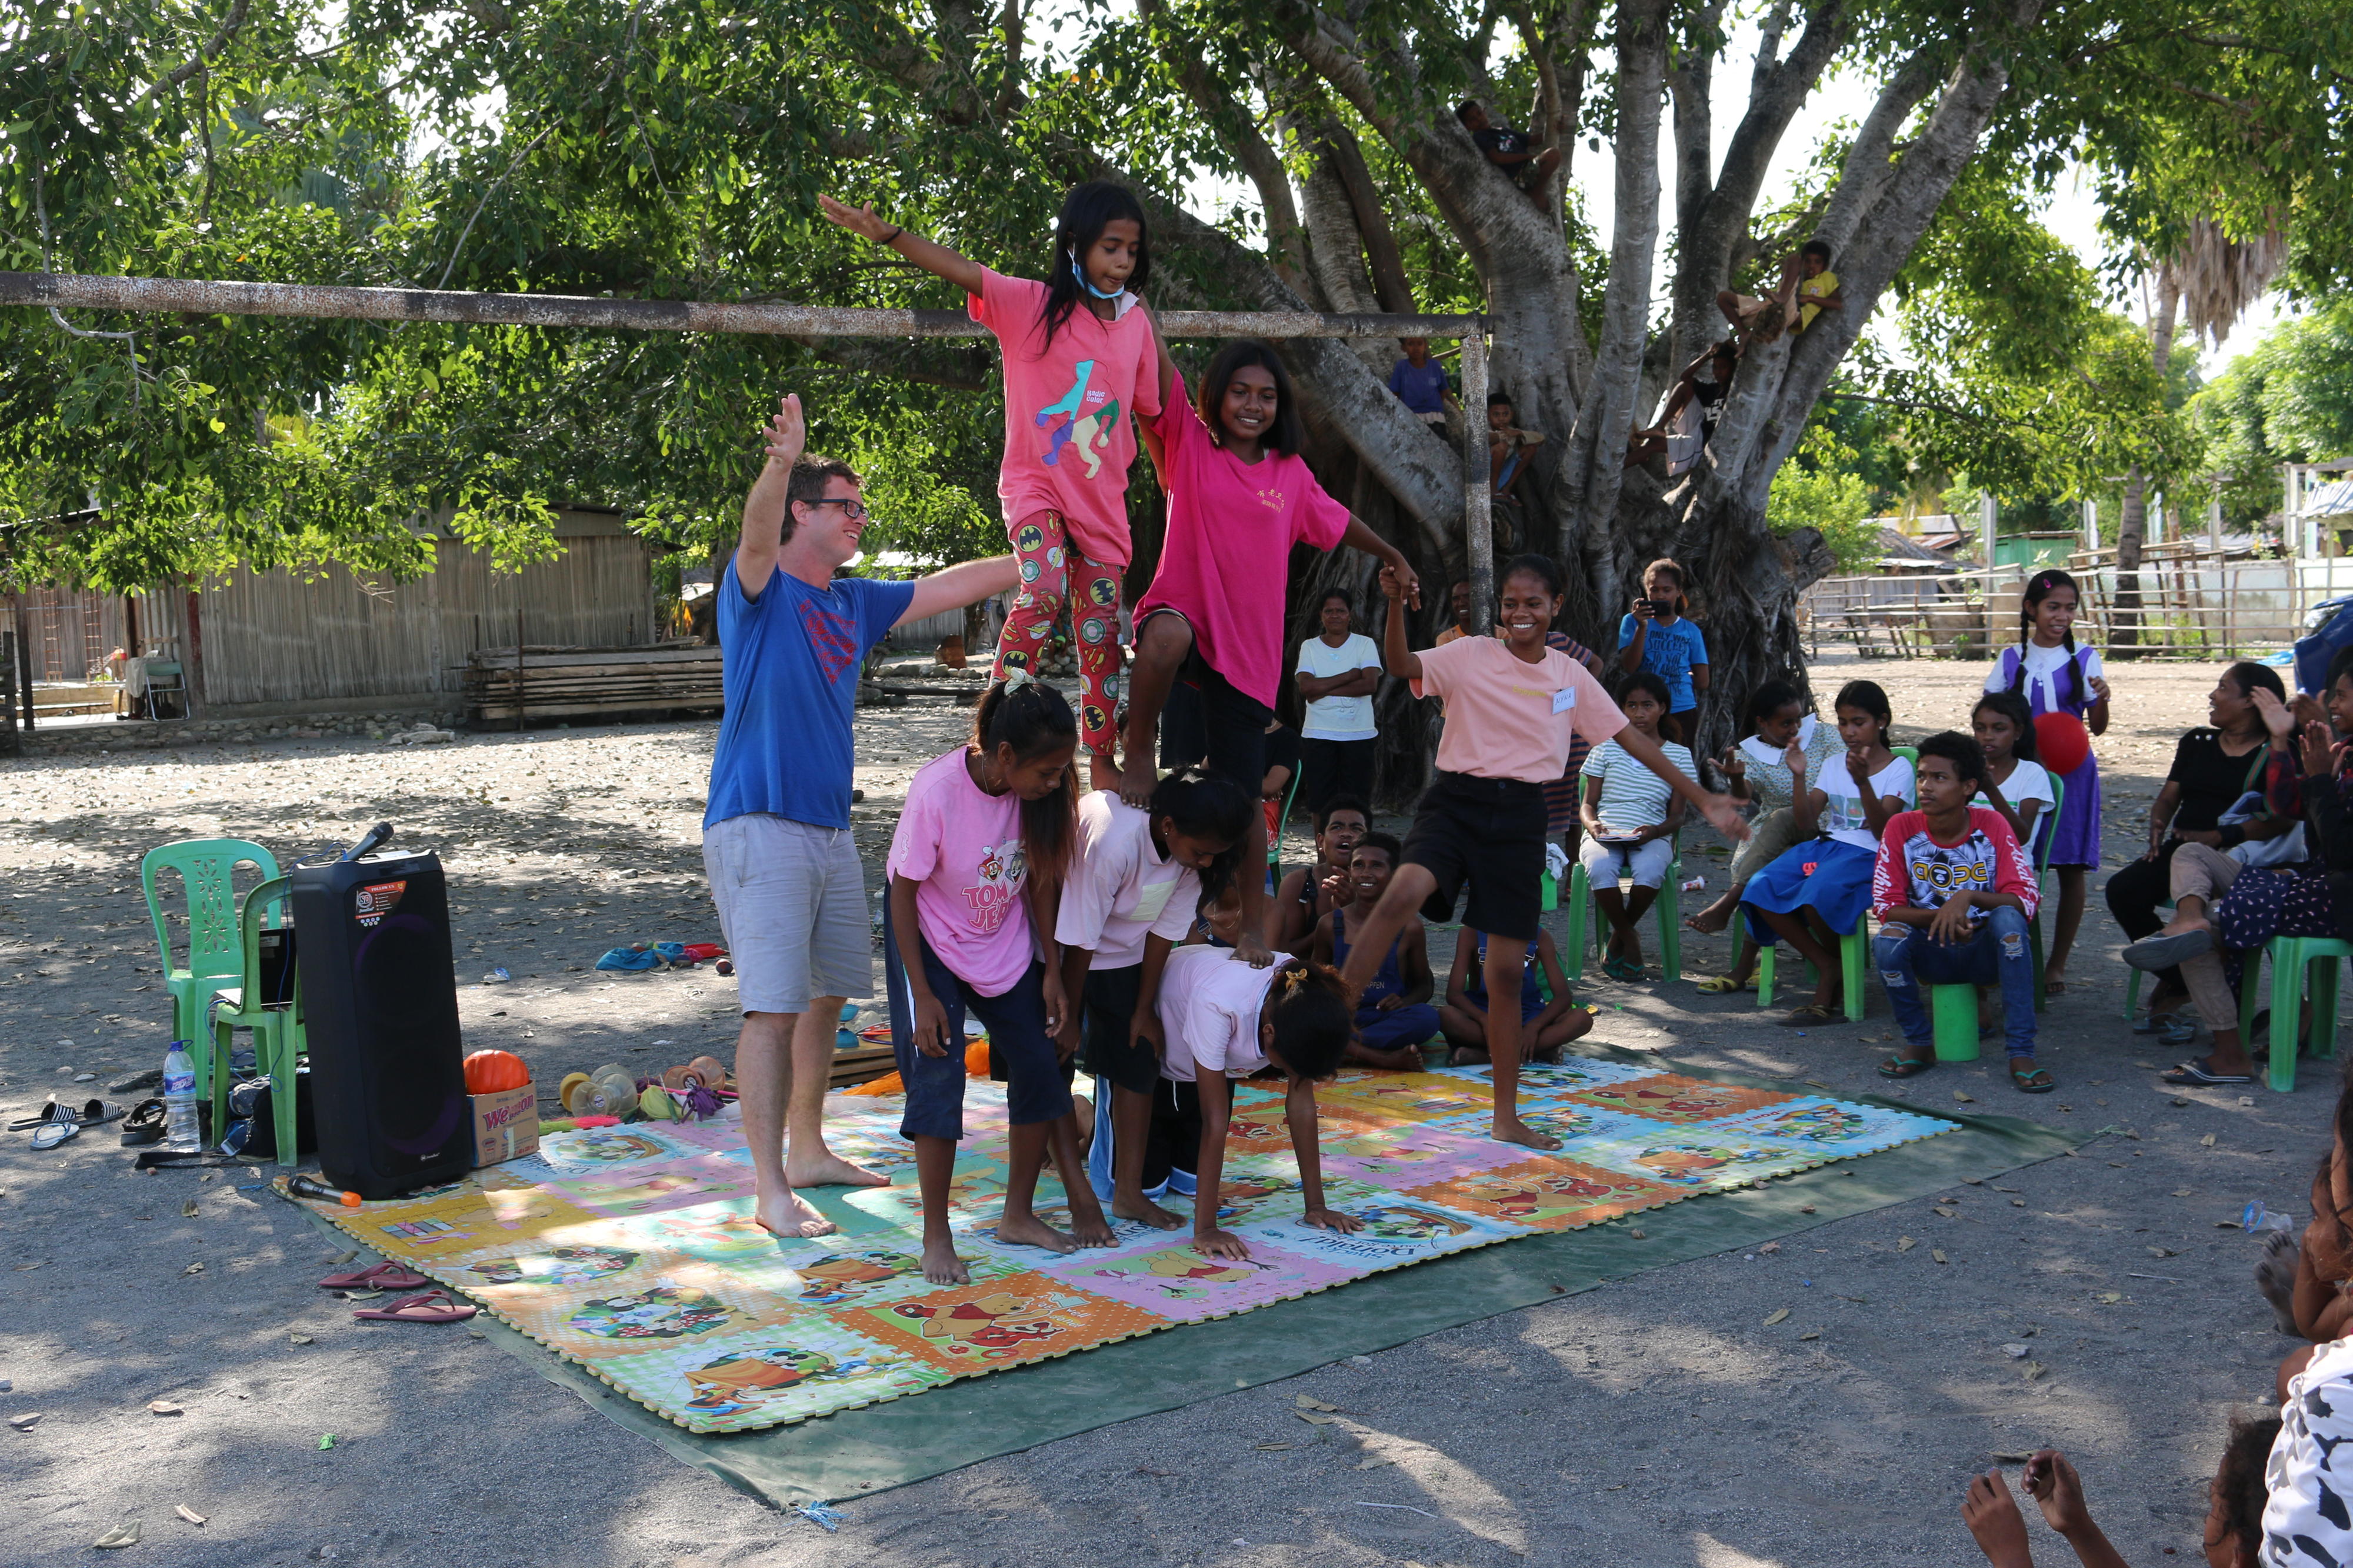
(1467, 1057)
(1509, 1129)
(1090, 1230)
(791, 1215)
(830, 1170)
(943, 1266)
(1711, 920)
(1030, 1231)
(1145, 1210)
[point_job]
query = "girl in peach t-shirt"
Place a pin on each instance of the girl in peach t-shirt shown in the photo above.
(1513, 706)
(1079, 360)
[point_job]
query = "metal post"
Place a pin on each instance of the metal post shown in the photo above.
(22, 688)
(1478, 526)
(2091, 525)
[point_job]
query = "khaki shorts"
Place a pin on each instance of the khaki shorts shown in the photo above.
(792, 909)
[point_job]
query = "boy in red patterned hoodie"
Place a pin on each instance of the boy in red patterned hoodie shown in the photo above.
(1953, 892)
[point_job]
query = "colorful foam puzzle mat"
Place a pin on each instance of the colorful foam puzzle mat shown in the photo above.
(632, 1251)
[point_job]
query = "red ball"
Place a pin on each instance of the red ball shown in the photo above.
(2061, 742)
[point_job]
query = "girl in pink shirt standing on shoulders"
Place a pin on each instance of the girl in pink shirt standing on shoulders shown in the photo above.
(975, 868)
(1512, 707)
(1240, 496)
(1078, 359)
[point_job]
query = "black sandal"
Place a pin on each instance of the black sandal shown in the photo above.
(144, 1125)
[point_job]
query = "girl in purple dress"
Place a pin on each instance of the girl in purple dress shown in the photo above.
(2056, 676)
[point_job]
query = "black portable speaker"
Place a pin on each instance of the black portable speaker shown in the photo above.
(380, 1000)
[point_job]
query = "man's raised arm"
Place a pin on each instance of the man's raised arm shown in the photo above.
(764, 508)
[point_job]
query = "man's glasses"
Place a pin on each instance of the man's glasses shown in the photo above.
(855, 511)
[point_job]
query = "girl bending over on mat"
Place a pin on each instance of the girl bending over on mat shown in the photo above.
(1223, 1020)
(1816, 893)
(975, 867)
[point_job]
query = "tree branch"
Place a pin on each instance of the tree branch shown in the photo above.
(204, 57)
(1240, 131)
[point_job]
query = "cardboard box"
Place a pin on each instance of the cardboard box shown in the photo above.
(506, 1125)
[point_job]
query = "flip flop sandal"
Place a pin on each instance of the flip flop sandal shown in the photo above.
(2036, 1080)
(2178, 1030)
(2054, 988)
(91, 1113)
(1723, 985)
(386, 1276)
(2197, 1074)
(49, 1134)
(144, 1124)
(418, 1309)
(1902, 1067)
(1806, 1017)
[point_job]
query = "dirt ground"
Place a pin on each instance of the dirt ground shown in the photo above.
(1657, 1419)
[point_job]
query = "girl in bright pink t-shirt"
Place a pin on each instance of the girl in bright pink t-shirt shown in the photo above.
(1078, 359)
(1240, 496)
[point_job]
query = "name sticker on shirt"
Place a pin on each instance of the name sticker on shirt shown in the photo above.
(1564, 700)
(1152, 901)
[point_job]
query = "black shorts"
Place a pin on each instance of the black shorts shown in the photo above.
(1209, 720)
(1490, 833)
(1112, 1049)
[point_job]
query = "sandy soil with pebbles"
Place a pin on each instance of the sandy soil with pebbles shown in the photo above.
(1654, 1420)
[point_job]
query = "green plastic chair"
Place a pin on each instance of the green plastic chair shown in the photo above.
(1953, 1009)
(1854, 947)
(1585, 914)
(215, 960)
(279, 1040)
(2293, 957)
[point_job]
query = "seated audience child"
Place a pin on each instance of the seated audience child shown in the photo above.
(2017, 784)
(1128, 899)
(2238, 1506)
(975, 867)
(1223, 1020)
(1953, 892)
(1819, 891)
(1394, 1016)
(1786, 745)
(1545, 1026)
(1630, 821)
(1314, 891)
(2304, 1283)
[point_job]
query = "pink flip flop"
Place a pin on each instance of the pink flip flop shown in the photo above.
(419, 1309)
(375, 1277)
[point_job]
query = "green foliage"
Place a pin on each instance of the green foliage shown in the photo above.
(2289, 399)
(1818, 489)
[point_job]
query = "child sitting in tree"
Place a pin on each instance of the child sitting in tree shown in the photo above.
(1630, 821)
(1954, 891)
(1394, 1016)
(1545, 1026)
(1223, 1019)
(1314, 891)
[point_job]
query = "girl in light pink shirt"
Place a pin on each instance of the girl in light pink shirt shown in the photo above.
(1078, 359)
(975, 868)
(1513, 706)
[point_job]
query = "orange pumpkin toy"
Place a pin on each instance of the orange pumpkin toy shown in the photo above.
(489, 1072)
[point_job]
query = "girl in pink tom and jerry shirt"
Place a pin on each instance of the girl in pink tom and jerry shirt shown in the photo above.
(1078, 359)
(1512, 707)
(976, 868)
(1240, 496)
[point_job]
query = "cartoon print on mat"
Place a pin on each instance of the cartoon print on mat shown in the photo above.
(1670, 1098)
(664, 1313)
(1549, 1194)
(563, 1265)
(593, 1148)
(723, 1329)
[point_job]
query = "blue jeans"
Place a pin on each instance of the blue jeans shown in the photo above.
(1908, 958)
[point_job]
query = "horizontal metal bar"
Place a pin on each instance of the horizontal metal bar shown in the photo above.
(198, 298)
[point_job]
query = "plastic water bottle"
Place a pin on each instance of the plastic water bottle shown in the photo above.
(181, 1133)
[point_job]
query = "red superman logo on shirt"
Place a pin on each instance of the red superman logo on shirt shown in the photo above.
(830, 640)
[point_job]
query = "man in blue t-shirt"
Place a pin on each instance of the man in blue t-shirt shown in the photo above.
(1419, 381)
(776, 844)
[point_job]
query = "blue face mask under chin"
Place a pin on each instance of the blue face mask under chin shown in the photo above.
(1086, 284)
